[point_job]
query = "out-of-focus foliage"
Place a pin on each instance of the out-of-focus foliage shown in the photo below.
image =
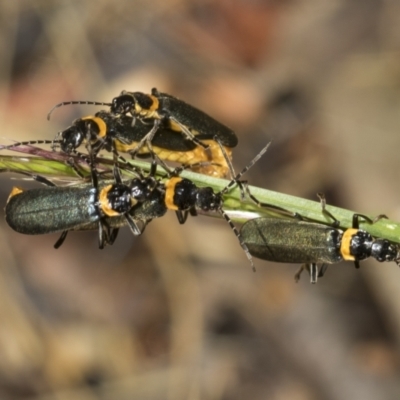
(177, 313)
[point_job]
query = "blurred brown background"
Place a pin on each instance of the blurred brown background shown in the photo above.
(177, 313)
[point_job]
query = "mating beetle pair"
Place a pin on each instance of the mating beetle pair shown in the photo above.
(110, 205)
(157, 124)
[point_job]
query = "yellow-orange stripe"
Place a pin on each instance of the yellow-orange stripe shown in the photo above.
(346, 242)
(105, 204)
(170, 192)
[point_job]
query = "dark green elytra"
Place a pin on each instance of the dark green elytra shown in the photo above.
(48, 210)
(292, 241)
(56, 209)
(202, 126)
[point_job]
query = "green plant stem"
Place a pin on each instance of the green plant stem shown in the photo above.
(239, 210)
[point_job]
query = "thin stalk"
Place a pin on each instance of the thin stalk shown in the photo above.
(239, 210)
